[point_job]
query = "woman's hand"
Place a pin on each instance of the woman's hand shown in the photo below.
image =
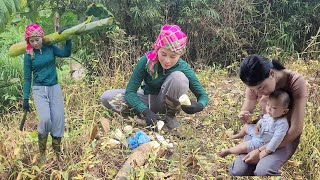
(245, 116)
(26, 106)
(264, 153)
(252, 157)
(193, 108)
(150, 117)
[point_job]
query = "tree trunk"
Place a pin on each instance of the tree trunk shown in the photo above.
(56, 23)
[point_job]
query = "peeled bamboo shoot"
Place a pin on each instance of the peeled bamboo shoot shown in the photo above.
(160, 124)
(184, 100)
(128, 129)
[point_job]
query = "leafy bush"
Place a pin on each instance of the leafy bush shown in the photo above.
(223, 31)
(11, 69)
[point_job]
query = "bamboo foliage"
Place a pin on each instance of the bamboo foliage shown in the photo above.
(7, 8)
(85, 27)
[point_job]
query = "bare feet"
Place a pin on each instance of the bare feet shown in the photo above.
(224, 153)
(236, 136)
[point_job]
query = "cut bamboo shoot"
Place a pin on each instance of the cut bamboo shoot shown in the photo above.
(184, 100)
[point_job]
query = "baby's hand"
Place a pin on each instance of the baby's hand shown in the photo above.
(245, 116)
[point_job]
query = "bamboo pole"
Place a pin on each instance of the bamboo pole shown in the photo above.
(85, 27)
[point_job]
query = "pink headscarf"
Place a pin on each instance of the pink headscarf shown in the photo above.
(32, 30)
(170, 37)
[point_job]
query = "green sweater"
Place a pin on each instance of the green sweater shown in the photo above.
(153, 86)
(42, 69)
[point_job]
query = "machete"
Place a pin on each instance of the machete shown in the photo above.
(23, 120)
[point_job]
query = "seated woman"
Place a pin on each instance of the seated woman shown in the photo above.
(166, 77)
(262, 77)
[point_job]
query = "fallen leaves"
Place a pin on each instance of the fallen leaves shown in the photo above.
(208, 133)
(105, 125)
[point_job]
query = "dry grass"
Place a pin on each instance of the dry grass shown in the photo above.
(193, 158)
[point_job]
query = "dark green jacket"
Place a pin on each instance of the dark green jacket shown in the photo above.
(153, 86)
(42, 69)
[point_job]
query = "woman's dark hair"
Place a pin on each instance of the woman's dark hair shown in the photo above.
(255, 68)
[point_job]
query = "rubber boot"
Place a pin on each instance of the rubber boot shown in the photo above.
(56, 145)
(42, 142)
(172, 108)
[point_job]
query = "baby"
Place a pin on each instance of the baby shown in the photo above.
(271, 128)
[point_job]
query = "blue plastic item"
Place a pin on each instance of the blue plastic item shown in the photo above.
(139, 138)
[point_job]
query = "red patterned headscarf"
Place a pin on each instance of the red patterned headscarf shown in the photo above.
(32, 30)
(171, 37)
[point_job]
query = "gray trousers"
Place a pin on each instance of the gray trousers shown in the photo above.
(267, 166)
(174, 86)
(50, 109)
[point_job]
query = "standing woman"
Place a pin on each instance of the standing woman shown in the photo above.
(163, 77)
(262, 77)
(40, 69)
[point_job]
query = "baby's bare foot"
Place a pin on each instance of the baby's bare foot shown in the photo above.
(224, 153)
(234, 136)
